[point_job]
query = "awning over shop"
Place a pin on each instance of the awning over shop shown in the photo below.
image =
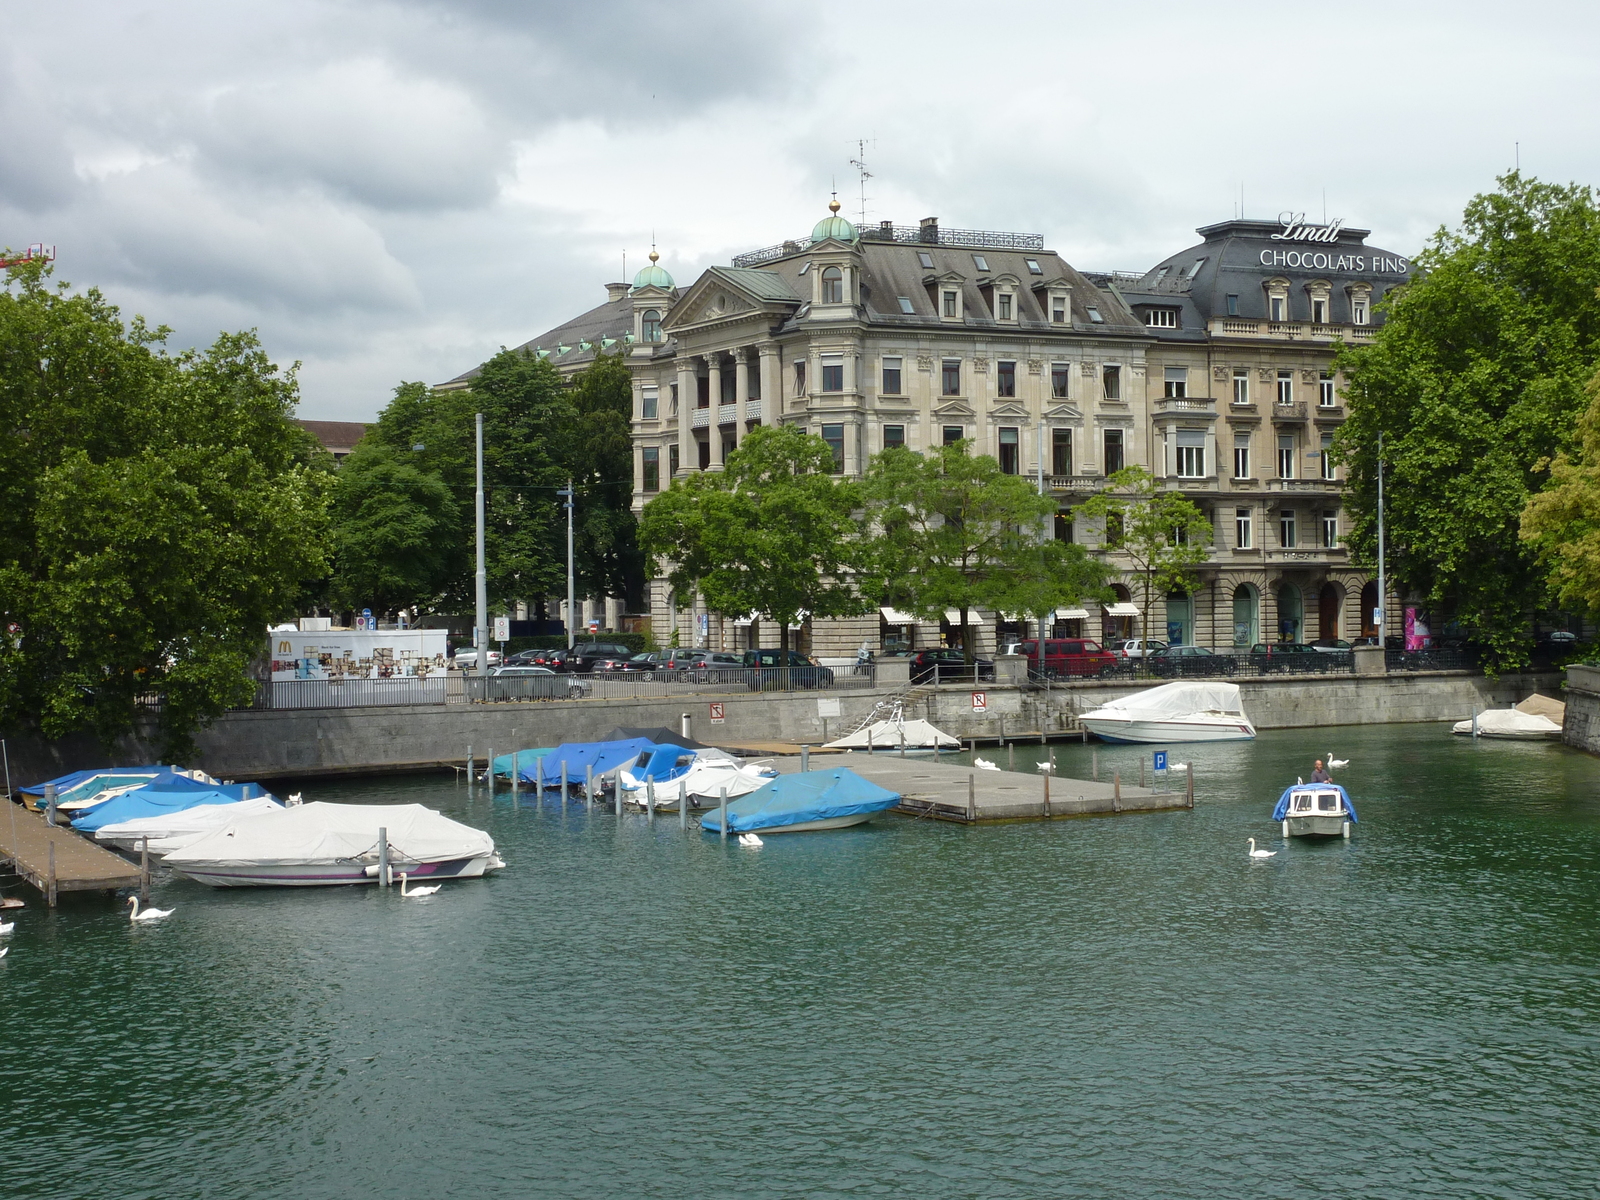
(895, 617)
(953, 616)
(1123, 608)
(750, 619)
(1072, 614)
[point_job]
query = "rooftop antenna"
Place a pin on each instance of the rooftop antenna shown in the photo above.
(1324, 206)
(1518, 151)
(859, 162)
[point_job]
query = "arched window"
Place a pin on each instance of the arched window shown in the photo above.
(651, 323)
(1180, 619)
(1245, 621)
(833, 286)
(1290, 613)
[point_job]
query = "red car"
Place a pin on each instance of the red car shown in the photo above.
(1068, 658)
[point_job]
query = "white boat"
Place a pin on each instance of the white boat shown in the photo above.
(172, 831)
(895, 733)
(319, 844)
(1174, 712)
(1315, 810)
(702, 783)
(1536, 719)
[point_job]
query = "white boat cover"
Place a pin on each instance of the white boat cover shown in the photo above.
(1172, 700)
(331, 833)
(888, 734)
(168, 831)
(1509, 723)
(706, 778)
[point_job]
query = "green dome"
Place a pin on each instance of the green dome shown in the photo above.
(835, 227)
(653, 276)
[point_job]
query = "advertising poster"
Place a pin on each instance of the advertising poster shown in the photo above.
(339, 654)
(1418, 636)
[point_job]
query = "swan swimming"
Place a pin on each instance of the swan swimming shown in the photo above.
(417, 891)
(1254, 853)
(296, 800)
(1047, 767)
(751, 840)
(149, 914)
(1177, 766)
(7, 926)
(983, 764)
(1335, 763)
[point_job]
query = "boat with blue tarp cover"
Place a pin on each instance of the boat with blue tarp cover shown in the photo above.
(830, 799)
(579, 757)
(80, 790)
(1315, 810)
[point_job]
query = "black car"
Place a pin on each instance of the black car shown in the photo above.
(581, 659)
(766, 670)
(1271, 658)
(949, 666)
(527, 658)
(1187, 662)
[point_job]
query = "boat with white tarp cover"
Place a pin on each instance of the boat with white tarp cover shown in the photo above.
(1188, 711)
(321, 844)
(1536, 719)
(895, 732)
(170, 831)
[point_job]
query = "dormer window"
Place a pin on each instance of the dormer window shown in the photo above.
(1360, 304)
(1278, 300)
(1004, 304)
(951, 303)
(1318, 293)
(650, 325)
(1161, 318)
(832, 286)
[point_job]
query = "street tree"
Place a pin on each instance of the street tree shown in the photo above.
(1562, 522)
(396, 532)
(1474, 384)
(772, 535)
(954, 532)
(1161, 532)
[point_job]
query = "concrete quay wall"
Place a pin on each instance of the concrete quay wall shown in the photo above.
(1582, 727)
(317, 742)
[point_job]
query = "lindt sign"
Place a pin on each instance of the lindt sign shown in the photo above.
(1295, 229)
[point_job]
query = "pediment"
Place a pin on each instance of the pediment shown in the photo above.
(1064, 410)
(956, 408)
(714, 298)
(1010, 411)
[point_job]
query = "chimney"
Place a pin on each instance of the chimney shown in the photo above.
(616, 291)
(886, 230)
(930, 231)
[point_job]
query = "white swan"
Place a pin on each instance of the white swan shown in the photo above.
(1335, 763)
(7, 927)
(296, 799)
(417, 891)
(751, 840)
(1177, 766)
(1254, 853)
(983, 764)
(149, 914)
(1046, 767)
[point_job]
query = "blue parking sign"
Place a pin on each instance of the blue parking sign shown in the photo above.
(1161, 760)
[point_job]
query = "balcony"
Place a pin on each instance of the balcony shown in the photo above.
(1289, 412)
(1289, 331)
(1074, 483)
(1335, 556)
(1186, 404)
(1318, 487)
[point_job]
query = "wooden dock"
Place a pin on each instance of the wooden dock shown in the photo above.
(956, 792)
(55, 859)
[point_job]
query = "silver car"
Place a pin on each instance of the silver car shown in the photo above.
(532, 683)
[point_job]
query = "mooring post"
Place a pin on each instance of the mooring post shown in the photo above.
(469, 768)
(563, 785)
(488, 772)
(516, 772)
(144, 869)
(588, 785)
(650, 797)
(1141, 770)
(1047, 793)
(617, 797)
(972, 795)
(1002, 730)
(684, 720)
(50, 804)
(1116, 791)
(1094, 763)
(869, 743)
(722, 814)
(1474, 727)
(52, 881)
(1011, 755)
(538, 781)
(805, 753)
(383, 856)
(1190, 788)
(683, 804)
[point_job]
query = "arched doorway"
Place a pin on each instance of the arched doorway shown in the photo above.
(1246, 615)
(1180, 619)
(1328, 612)
(1369, 602)
(1291, 613)
(1119, 620)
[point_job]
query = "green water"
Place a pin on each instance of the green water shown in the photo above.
(1104, 1007)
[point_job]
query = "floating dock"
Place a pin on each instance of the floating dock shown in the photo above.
(956, 792)
(55, 859)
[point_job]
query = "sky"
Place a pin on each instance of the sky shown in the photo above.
(391, 190)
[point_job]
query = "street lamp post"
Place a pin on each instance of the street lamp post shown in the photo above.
(572, 599)
(481, 633)
(1383, 579)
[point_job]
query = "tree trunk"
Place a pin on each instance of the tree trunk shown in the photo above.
(966, 638)
(783, 655)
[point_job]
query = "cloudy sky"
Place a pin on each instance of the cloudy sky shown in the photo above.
(392, 190)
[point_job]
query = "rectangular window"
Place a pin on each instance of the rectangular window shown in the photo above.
(952, 377)
(1061, 452)
(652, 468)
(891, 376)
(703, 391)
(1278, 308)
(800, 378)
(1330, 529)
(1286, 531)
(1286, 456)
(1243, 535)
(1033, 266)
(1233, 306)
(834, 436)
(1111, 377)
(650, 403)
(674, 399)
(1005, 299)
(980, 262)
(1060, 377)
(925, 259)
(906, 306)
(727, 382)
(1058, 310)
(1285, 387)
(832, 373)
(1063, 527)
(1241, 387)
(1113, 439)
(1009, 451)
(672, 459)
(1319, 312)
(1162, 318)
(949, 304)
(1094, 315)
(1191, 453)
(953, 434)
(1358, 312)
(894, 435)
(1177, 382)
(705, 454)
(1241, 456)
(1006, 378)
(1327, 456)
(1325, 396)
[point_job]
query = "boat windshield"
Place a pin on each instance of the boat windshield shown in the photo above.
(1302, 802)
(1328, 802)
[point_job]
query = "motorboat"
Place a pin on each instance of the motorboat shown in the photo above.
(1315, 810)
(1536, 719)
(1197, 711)
(321, 844)
(165, 832)
(703, 778)
(808, 800)
(895, 733)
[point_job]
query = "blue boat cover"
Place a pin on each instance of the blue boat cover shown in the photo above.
(1280, 812)
(579, 756)
(155, 801)
(524, 761)
(663, 763)
(796, 799)
(74, 780)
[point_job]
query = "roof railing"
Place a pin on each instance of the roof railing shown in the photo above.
(931, 235)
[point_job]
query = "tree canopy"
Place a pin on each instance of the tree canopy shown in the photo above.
(157, 513)
(1474, 383)
(1562, 523)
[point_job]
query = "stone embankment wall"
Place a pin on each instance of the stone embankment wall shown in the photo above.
(310, 742)
(1583, 709)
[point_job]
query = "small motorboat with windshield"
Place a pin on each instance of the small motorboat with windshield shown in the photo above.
(1315, 810)
(1173, 712)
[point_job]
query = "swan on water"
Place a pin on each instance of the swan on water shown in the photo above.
(296, 799)
(1177, 766)
(7, 926)
(983, 764)
(1046, 767)
(149, 914)
(417, 891)
(1335, 763)
(751, 840)
(1254, 853)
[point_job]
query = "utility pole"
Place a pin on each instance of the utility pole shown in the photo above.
(572, 587)
(1383, 579)
(1043, 631)
(481, 634)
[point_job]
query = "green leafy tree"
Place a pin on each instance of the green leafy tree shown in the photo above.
(955, 532)
(771, 535)
(1160, 532)
(597, 450)
(1474, 383)
(1562, 523)
(396, 532)
(157, 513)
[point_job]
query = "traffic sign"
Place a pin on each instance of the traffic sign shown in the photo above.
(1161, 760)
(502, 629)
(980, 702)
(717, 712)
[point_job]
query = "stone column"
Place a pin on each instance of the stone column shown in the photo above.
(741, 392)
(771, 385)
(713, 422)
(638, 469)
(687, 458)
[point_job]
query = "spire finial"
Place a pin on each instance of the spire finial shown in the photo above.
(833, 205)
(654, 257)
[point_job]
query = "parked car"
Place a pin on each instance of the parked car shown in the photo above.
(948, 666)
(765, 669)
(466, 658)
(716, 667)
(1136, 647)
(1273, 657)
(532, 683)
(616, 662)
(1188, 662)
(526, 658)
(671, 664)
(1331, 646)
(581, 658)
(1069, 658)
